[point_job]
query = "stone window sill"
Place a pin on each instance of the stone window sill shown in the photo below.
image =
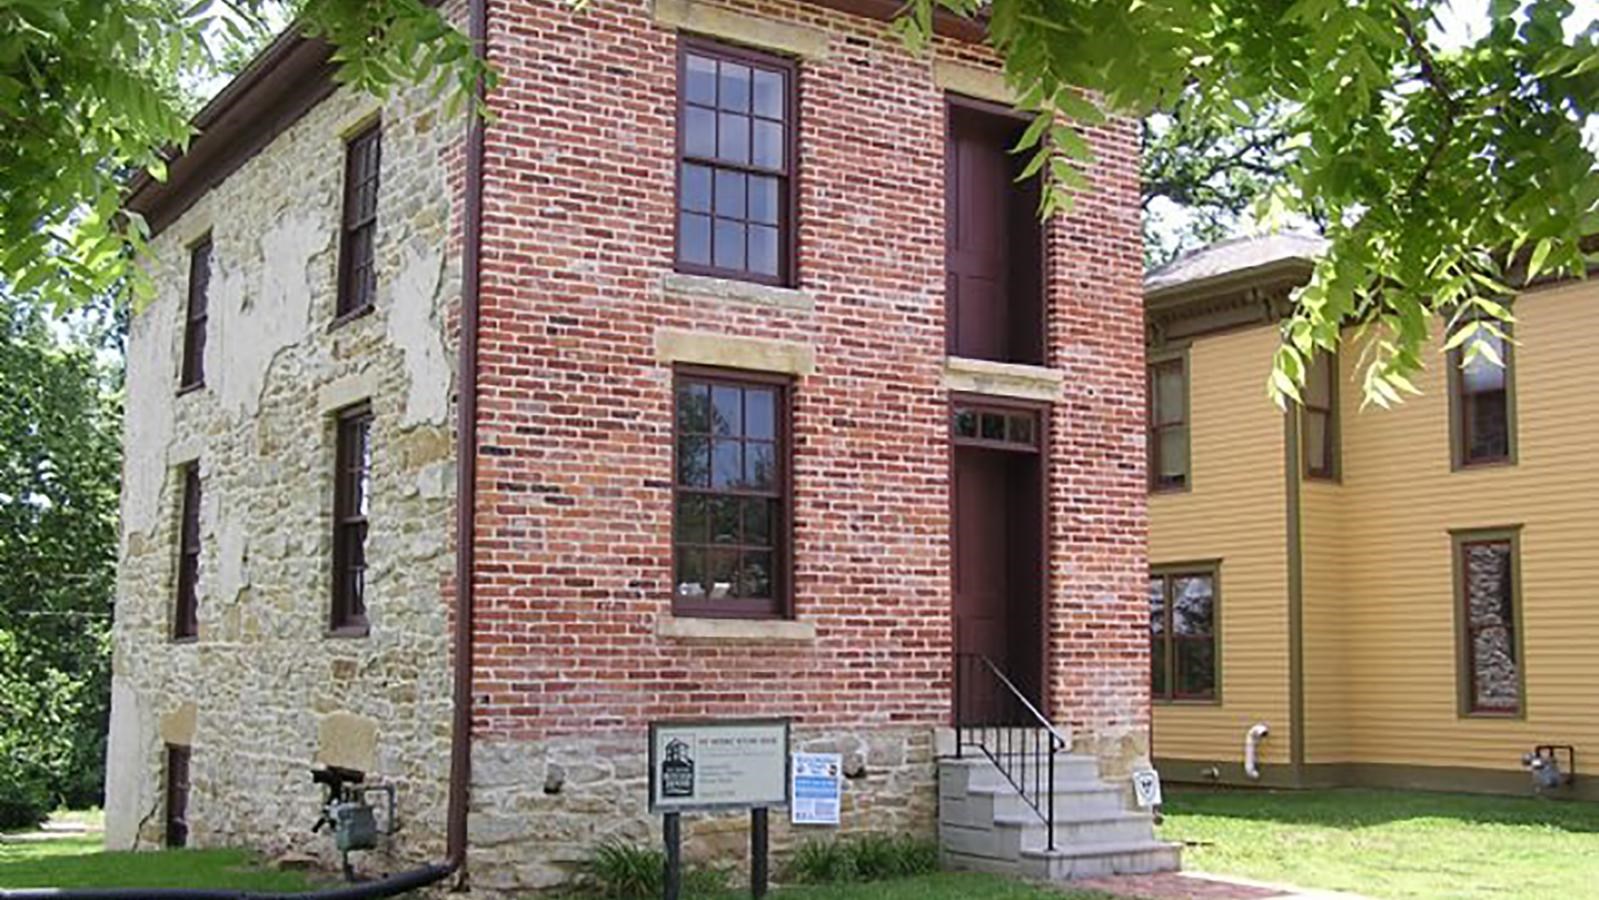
(689, 628)
(682, 286)
(998, 379)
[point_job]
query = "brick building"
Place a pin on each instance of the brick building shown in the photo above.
(778, 393)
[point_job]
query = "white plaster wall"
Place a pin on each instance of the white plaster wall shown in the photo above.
(264, 691)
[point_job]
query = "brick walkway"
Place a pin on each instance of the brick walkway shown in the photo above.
(1191, 886)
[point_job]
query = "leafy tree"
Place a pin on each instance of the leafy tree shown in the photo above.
(59, 457)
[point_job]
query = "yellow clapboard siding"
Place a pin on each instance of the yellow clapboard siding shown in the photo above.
(1235, 513)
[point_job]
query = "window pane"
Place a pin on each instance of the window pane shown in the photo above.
(1157, 606)
(992, 426)
(1196, 668)
(694, 408)
(729, 244)
(701, 79)
(763, 199)
(699, 132)
(1173, 456)
(696, 188)
(693, 461)
(724, 516)
(760, 413)
(1193, 605)
(1318, 382)
(727, 464)
(1482, 374)
(965, 423)
(755, 575)
(1169, 394)
(760, 466)
(1488, 425)
(768, 144)
(733, 138)
(763, 250)
(694, 238)
(721, 570)
(758, 514)
(690, 572)
(769, 94)
(1157, 668)
(730, 194)
(727, 415)
(735, 86)
(691, 518)
(1495, 683)
(1021, 430)
(1315, 440)
(1489, 592)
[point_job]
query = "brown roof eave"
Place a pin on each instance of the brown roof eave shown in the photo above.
(1272, 274)
(286, 79)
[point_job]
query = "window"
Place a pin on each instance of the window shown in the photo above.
(730, 505)
(1486, 576)
(186, 611)
(995, 427)
(357, 238)
(736, 139)
(1168, 425)
(1481, 407)
(193, 374)
(351, 499)
(1182, 631)
(177, 812)
(1318, 416)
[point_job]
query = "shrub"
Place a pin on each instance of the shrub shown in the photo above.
(622, 871)
(869, 857)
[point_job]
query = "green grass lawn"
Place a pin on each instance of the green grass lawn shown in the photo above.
(1391, 844)
(78, 862)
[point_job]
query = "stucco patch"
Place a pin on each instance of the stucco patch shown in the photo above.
(127, 787)
(254, 329)
(413, 327)
(233, 564)
(347, 740)
(757, 31)
(148, 423)
(677, 345)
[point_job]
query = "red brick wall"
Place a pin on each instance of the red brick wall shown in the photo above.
(574, 555)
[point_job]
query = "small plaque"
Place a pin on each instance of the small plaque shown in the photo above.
(1146, 788)
(818, 788)
(718, 764)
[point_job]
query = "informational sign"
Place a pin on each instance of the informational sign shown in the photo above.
(818, 788)
(1146, 787)
(718, 764)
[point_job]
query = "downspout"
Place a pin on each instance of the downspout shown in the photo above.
(460, 781)
(466, 460)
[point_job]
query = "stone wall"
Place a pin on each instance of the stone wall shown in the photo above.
(265, 693)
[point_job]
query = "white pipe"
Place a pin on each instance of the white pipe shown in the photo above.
(1257, 732)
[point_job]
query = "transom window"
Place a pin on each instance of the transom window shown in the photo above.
(1491, 665)
(730, 524)
(1182, 630)
(1009, 429)
(1168, 425)
(736, 112)
(1484, 430)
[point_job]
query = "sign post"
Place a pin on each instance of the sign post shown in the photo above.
(718, 765)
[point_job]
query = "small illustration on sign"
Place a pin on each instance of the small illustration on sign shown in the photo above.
(677, 770)
(1146, 787)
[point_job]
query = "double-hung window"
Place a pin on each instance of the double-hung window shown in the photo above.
(1168, 425)
(1486, 575)
(352, 489)
(736, 146)
(1482, 414)
(731, 497)
(358, 232)
(186, 609)
(1182, 631)
(195, 316)
(1319, 417)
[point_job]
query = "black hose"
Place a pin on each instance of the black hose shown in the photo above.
(392, 886)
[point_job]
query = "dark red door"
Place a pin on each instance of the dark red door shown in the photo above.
(976, 263)
(982, 570)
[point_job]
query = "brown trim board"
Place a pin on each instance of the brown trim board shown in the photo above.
(1296, 589)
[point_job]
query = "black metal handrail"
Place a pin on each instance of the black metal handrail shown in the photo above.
(993, 716)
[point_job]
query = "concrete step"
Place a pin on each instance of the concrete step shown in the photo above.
(1096, 860)
(981, 806)
(977, 771)
(1009, 837)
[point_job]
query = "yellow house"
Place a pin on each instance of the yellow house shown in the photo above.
(1400, 598)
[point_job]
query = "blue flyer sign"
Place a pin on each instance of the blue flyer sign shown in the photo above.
(817, 789)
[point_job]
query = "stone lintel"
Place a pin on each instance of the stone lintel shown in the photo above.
(744, 28)
(678, 345)
(734, 630)
(997, 379)
(177, 727)
(346, 391)
(678, 286)
(973, 81)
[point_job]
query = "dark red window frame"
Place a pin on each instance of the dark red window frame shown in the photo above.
(176, 826)
(1166, 643)
(351, 498)
(1158, 427)
(195, 317)
(363, 155)
(716, 206)
(1504, 620)
(695, 495)
(186, 608)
